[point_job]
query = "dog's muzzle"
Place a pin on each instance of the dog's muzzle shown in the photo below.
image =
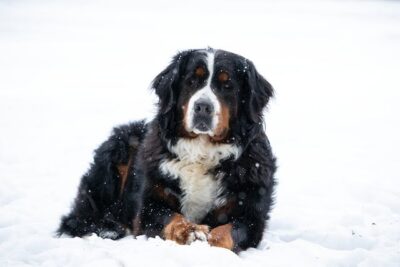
(203, 112)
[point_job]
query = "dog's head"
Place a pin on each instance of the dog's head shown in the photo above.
(207, 91)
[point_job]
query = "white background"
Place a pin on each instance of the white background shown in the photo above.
(71, 70)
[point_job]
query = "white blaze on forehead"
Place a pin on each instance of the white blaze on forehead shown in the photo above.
(205, 93)
(210, 66)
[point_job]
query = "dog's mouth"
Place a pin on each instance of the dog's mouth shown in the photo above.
(203, 119)
(203, 129)
(202, 125)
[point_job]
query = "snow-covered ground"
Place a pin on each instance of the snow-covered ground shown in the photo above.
(71, 70)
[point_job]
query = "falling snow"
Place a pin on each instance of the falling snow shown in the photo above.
(71, 70)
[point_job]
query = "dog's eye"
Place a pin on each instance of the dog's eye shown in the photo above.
(223, 77)
(200, 72)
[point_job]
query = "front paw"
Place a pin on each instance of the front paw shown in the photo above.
(200, 232)
(221, 236)
(184, 232)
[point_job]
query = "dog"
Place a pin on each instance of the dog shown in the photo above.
(202, 169)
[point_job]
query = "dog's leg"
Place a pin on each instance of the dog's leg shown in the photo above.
(183, 232)
(73, 225)
(159, 220)
(221, 236)
(109, 196)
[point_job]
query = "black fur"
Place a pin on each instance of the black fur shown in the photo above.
(100, 207)
(248, 181)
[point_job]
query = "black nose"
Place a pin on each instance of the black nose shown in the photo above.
(203, 107)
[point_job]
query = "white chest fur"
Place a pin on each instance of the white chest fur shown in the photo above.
(201, 189)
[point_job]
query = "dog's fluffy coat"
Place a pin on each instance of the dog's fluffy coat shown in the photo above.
(220, 179)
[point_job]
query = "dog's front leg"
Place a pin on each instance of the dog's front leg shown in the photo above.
(160, 220)
(182, 231)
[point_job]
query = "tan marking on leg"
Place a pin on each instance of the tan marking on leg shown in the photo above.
(179, 229)
(165, 195)
(221, 236)
(136, 226)
(221, 214)
(123, 170)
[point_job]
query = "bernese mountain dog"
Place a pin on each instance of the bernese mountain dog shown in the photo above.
(202, 169)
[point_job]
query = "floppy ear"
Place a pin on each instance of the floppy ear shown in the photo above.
(165, 84)
(258, 91)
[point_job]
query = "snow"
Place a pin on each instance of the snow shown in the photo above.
(71, 70)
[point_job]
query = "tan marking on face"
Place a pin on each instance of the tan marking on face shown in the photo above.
(221, 236)
(185, 114)
(223, 76)
(184, 131)
(222, 128)
(179, 229)
(200, 72)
